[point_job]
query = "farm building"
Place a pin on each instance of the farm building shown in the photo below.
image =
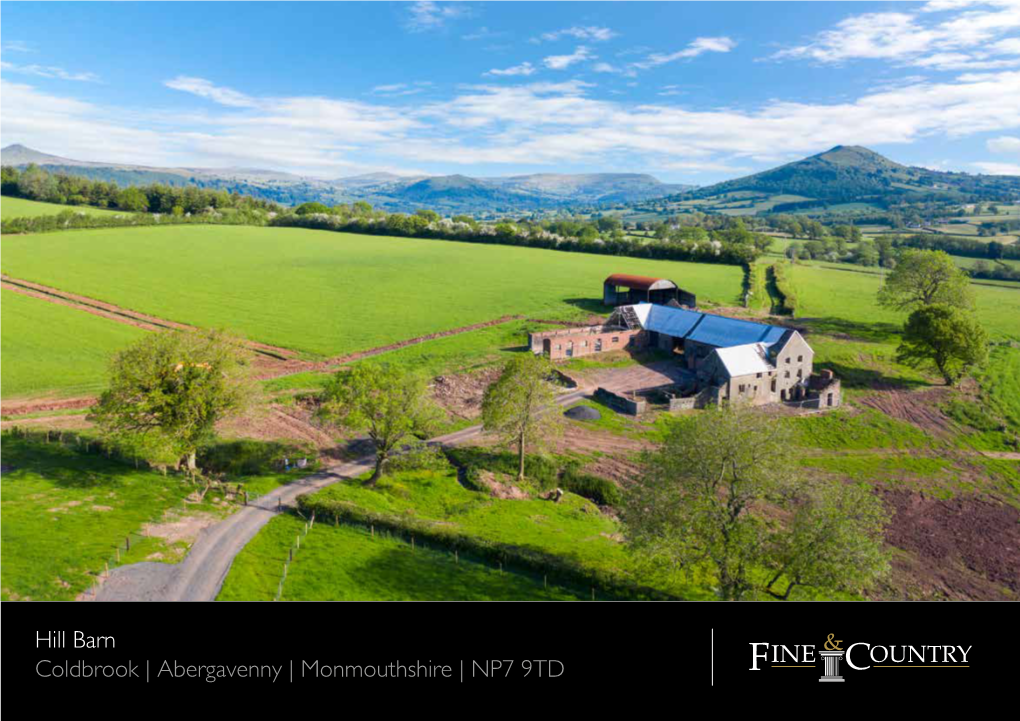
(726, 358)
(623, 289)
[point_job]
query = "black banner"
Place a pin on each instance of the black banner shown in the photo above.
(514, 653)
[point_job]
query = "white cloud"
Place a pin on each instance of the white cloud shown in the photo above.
(425, 15)
(18, 46)
(589, 33)
(205, 89)
(966, 39)
(562, 62)
(522, 69)
(697, 47)
(1005, 144)
(998, 168)
(482, 33)
(396, 90)
(49, 71)
(522, 124)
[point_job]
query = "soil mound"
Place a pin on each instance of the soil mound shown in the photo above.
(582, 413)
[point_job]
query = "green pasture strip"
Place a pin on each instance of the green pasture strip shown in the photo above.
(49, 347)
(332, 293)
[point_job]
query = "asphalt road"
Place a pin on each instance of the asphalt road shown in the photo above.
(200, 575)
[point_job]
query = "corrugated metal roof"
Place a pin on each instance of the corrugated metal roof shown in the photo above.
(725, 332)
(676, 322)
(742, 360)
(715, 330)
(639, 282)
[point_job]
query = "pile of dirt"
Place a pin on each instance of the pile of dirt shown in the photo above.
(582, 413)
(959, 548)
(281, 423)
(461, 394)
(921, 408)
(500, 489)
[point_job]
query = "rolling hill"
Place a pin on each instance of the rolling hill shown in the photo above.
(448, 194)
(853, 174)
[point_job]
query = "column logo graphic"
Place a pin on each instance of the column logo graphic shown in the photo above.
(832, 655)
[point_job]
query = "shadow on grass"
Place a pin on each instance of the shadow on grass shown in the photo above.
(853, 330)
(433, 576)
(868, 378)
(589, 305)
(64, 465)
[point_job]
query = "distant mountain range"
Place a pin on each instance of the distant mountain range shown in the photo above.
(849, 174)
(447, 194)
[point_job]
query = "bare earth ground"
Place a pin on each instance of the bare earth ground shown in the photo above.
(920, 408)
(960, 548)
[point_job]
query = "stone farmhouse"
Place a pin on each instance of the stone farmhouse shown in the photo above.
(727, 359)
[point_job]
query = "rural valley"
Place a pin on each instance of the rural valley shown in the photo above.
(229, 376)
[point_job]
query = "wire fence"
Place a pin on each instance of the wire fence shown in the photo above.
(121, 551)
(417, 544)
(294, 548)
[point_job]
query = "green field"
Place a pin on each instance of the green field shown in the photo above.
(21, 208)
(348, 563)
(844, 301)
(50, 347)
(66, 511)
(572, 529)
(329, 293)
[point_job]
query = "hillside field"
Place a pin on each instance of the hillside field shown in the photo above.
(848, 297)
(11, 207)
(49, 347)
(328, 293)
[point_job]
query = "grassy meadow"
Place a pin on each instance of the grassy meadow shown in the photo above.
(66, 511)
(53, 348)
(11, 207)
(328, 293)
(349, 563)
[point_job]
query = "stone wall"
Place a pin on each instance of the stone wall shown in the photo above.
(579, 342)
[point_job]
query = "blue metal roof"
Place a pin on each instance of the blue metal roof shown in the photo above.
(714, 330)
(725, 332)
(675, 322)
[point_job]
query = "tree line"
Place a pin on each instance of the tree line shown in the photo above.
(167, 204)
(35, 183)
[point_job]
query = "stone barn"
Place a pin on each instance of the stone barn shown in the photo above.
(728, 359)
(623, 289)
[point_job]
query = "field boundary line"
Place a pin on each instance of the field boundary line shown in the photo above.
(118, 313)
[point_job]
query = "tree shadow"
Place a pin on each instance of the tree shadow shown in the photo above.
(64, 465)
(857, 377)
(878, 332)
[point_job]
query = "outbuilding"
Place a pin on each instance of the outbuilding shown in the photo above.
(625, 289)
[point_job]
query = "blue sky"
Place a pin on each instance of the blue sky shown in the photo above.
(690, 92)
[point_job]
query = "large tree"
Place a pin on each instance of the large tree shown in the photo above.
(391, 405)
(516, 407)
(168, 391)
(834, 541)
(721, 495)
(943, 337)
(925, 277)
